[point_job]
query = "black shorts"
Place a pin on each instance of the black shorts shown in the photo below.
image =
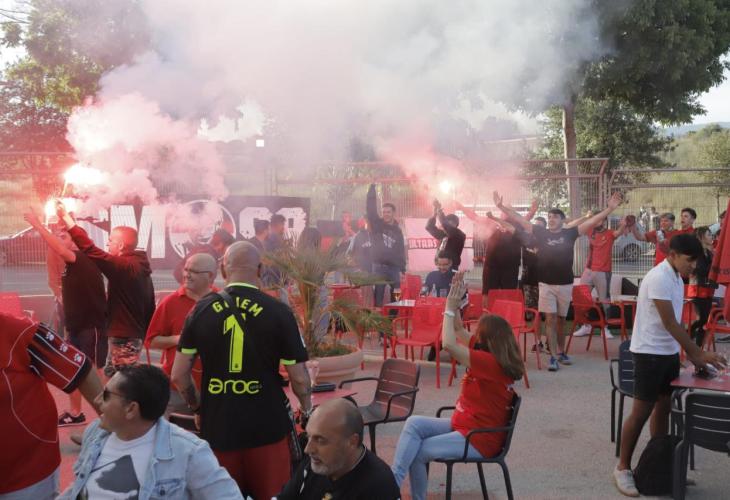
(653, 375)
(90, 341)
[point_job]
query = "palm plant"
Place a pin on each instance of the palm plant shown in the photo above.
(308, 268)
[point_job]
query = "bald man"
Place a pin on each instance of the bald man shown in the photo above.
(241, 334)
(338, 466)
(198, 274)
(130, 292)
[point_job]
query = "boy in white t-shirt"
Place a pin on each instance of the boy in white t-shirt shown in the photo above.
(655, 343)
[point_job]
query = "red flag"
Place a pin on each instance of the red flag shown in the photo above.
(720, 269)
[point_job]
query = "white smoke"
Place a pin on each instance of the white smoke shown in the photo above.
(313, 74)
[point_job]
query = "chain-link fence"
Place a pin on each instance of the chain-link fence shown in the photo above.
(650, 193)
(31, 178)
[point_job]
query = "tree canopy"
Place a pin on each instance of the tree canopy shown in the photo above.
(68, 45)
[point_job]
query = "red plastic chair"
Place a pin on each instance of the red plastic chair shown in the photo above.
(583, 304)
(423, 330)
(411, 287)
(533, 327)
(713, 326)
(513, 312)
(475, 310)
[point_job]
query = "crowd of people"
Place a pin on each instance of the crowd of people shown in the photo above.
(223, 349)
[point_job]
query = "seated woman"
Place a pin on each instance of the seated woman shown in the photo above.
(493, 364)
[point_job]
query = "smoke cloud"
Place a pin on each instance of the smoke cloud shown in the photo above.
(309, 76)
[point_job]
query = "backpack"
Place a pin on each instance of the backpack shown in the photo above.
(653, 473)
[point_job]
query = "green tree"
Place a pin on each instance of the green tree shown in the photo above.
(663, 55)
(68, 45)
(604, 129)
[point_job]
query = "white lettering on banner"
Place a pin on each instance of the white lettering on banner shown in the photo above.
(151, 226)
(421, 246)
(246, 217)
(153, 231)
(296, 220)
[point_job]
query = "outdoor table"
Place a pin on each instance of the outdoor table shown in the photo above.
(318, 397)
(687, 380)
(406, 305)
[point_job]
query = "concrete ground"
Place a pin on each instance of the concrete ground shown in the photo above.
(561, 448)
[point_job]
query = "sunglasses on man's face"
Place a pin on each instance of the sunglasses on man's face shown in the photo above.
(106, 393)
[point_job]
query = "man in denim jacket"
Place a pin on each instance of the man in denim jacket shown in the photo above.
(132, 451)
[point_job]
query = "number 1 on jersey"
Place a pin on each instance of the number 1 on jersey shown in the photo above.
(235, 362)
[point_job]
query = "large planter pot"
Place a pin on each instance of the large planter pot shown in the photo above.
(338, 368)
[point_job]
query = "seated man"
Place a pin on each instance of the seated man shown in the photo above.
(131, 451)
(438, 283)
(338, 466)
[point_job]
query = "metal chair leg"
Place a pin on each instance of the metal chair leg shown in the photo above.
(507, 481)
(448, 480)
(613, 415)
(620, 423)
(371, 432)
(482, 482)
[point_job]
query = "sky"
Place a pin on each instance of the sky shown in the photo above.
(717, 103)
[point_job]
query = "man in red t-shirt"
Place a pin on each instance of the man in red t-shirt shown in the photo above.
(31, 356)
(167, 322)
(666, 232)
(598, 268)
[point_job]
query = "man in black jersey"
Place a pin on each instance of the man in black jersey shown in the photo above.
(338, 466)
(84, 306)
(240, 409)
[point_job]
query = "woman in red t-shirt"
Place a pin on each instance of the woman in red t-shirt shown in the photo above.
(493, 364)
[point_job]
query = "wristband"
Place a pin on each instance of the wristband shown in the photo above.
(451, 314)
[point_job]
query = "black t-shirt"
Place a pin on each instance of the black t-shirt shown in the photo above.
(370, 479)
(439, 281)
(555, 255)
(241, 394)
(503, 252)
(84, 298)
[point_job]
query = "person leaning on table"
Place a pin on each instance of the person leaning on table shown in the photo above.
(655, 343)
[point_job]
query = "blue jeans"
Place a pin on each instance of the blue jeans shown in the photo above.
(422, 440)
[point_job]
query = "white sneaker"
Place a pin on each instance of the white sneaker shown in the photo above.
(583, 331)
(608, 333)
(625, 482)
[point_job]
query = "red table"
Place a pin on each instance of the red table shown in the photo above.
(687, 380)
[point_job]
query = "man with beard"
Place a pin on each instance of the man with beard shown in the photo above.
(338, 466)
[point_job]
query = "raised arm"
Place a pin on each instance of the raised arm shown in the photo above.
(613, 203)
(451, 230)
(501, 223)
(431, 224)
(53, 242)
(579, 220)
(511, 213)
(371, 208)
(448, 332)
(638, 233)
(470, 214)
(621, 229)
(533, 210)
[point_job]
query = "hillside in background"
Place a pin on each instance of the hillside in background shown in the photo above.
(681, 130)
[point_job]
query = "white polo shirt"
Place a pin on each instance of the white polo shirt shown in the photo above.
(649, 335)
